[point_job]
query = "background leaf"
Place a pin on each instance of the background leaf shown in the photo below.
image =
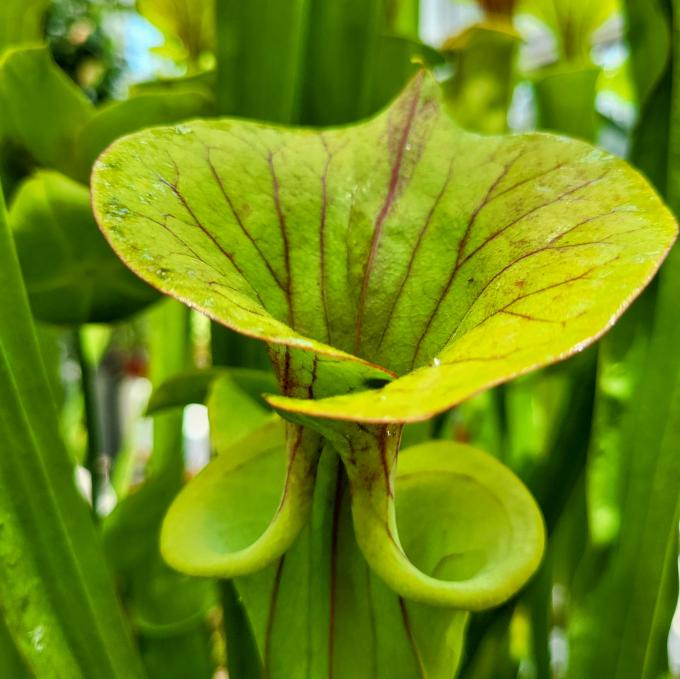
(57, 595)
(70, 272)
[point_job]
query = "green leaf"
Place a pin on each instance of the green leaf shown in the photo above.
(70, 272)
(215, 528)
(462, 518)
(573, 23)
(193, 386)
(232, 412)
(11, 663)
(179, 657)
(320, 611)
(142, 110)
(249, 82)
(57, 597)
(48, 139)
(649, 37)
(189, 22)
(359, 46)
(624, 636)
(574, 115)
(402, 245)
(621, 362)
(167, 608)
(480, 91)
(21, 22)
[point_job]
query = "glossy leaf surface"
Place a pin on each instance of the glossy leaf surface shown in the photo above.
(70, 272)
(402, 242)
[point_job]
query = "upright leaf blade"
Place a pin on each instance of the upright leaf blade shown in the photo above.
(49, 140)
(61, 608)
(70, 272)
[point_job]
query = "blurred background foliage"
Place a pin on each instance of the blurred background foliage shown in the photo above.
(597, 438)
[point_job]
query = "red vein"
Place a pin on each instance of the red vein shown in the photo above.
(526, 180)
(322, 240)
(199, 224)
(284, 235)
(480, 206)
(533, 210)
(239, 221)
(411, 638)
(421, 236)
(528, 317)
(582, 276)
(199, 258)
(310, 387)
(382, 443)
(382, 215)
(460, 262)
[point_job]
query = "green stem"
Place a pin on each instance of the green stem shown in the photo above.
(94, 456)
(242, 655)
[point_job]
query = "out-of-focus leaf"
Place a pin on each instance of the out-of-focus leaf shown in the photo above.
(71, 274)
(622, 620)
(165, 607)
(165, 603)
(193, 386)
(41, 109)
(480, 91)
(574, 115)
(262, 87)
(203, 83)
(179, 657)
(12, 664)
(337, 62)
(56, 593)
(361, 57)
(233, 412)
(21, 21)
(649, 37)
(572, 22)
(624, 637)
(621, 361)
(143, 110)
(189, 22)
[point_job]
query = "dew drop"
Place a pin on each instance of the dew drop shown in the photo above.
(37, 638)
(436, 362)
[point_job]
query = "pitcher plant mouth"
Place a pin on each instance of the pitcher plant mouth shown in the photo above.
(395, 268)
(473, 569)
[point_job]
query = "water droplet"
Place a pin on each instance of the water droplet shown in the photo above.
(436, 362)
(37, 637)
